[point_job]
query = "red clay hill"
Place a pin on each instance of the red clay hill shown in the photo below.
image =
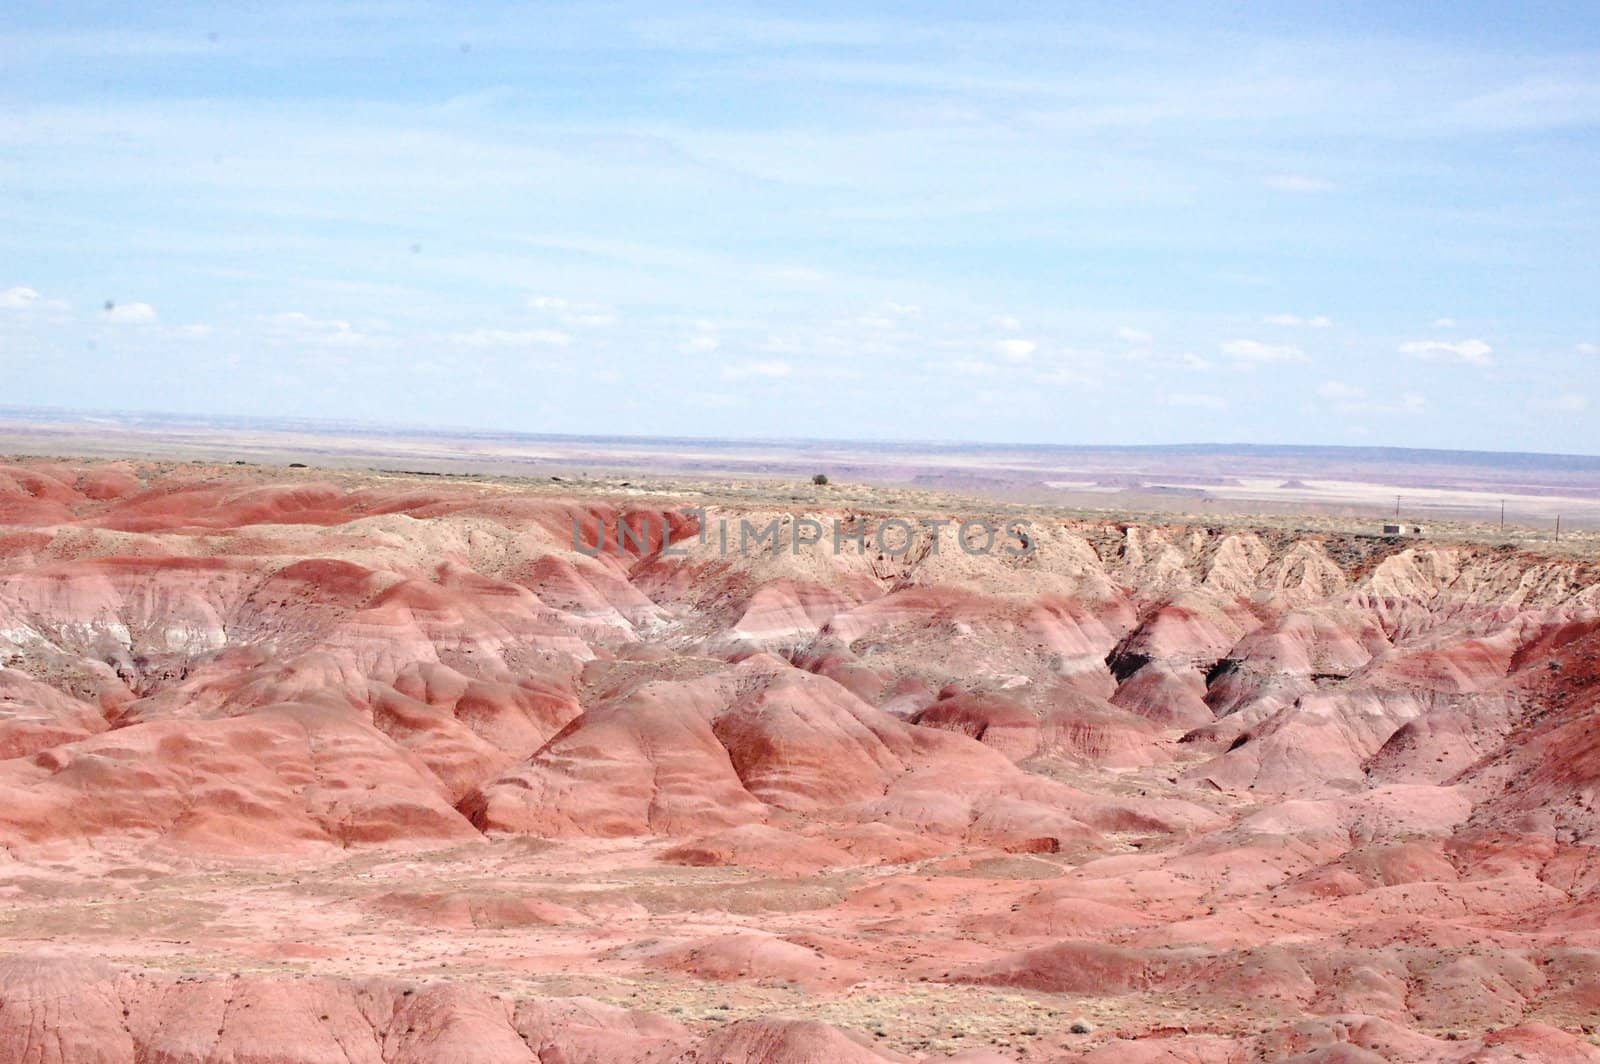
(391, 769)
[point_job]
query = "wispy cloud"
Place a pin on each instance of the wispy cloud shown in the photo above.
(573, 314)
(131, 313)
(1535, 103)
(1349, 399)
(1016, 349)
(1198, 401)
(896, 194)
(1472, 352)
(299, 327)
(705, 339)
(1191, 361)
(967, 367)
(890, 316)
(24, 298)
(1565, 403)
(513, 338)
(1298, 183)
(1256, 351)
(772, 369)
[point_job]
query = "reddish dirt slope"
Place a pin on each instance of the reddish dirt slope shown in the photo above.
(372, 769)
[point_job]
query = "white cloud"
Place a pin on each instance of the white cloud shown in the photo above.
(713, 399)
(703, 341)
(804, 275)
(24, 298)
(1016, 349)
(968, 367)
(1190, 360)
(773, 369)
(1007, 323)
(197, 331)
(1444, 323)
(297, 327)
(1530, 104)
(294, 319)
(573, 314)
(514, 338)
(1588, 349)
(1256, 351)
(1475, 352)
(1319, 321)
(1298, 183)
(1134, 336)
(1205, 402)
(130, 313)
(1339, 390)
(1071, 376)
(1348, 399)
(890, 316)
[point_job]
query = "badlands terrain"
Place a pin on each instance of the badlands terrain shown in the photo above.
(319, 766)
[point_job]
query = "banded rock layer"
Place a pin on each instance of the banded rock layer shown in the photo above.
(1232, 792)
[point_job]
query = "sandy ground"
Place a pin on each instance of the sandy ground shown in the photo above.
(1362, 485)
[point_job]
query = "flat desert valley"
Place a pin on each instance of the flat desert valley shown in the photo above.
(404, 754)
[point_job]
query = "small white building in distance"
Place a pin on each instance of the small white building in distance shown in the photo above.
(1402, 530)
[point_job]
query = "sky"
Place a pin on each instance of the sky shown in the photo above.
(1369, 224)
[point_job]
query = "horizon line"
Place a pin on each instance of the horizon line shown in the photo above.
(373, 427)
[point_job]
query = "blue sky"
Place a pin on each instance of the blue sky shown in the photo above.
(1028, 222)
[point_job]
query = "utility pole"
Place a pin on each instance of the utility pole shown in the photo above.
(1558, 528)
(1397, 507)
(1502, 515)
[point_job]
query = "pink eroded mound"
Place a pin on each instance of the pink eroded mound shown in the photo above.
(383, 768)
